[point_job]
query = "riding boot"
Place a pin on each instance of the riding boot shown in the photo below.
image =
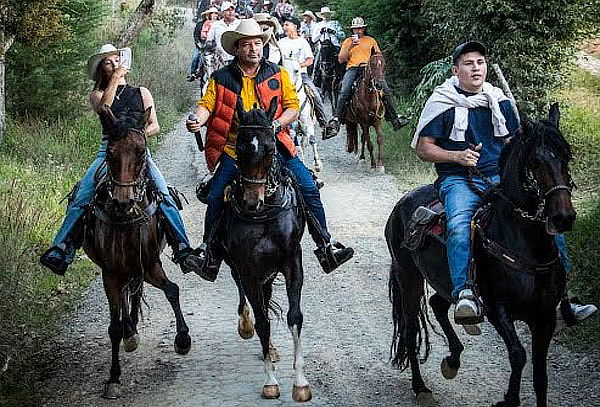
(391, 116)
(210, 254)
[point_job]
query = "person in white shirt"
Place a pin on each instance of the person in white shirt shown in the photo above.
(309, 21)
(327, 29)
(213, 38)
(298, 49)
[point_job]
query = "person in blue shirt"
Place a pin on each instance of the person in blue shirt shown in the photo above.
(466, 123)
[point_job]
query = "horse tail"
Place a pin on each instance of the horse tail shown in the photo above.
(406, 293)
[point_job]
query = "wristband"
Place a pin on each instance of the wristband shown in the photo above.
(277, 127)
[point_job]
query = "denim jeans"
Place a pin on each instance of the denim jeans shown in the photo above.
(461, 203)
(227, 171)
(351, 76)
(319, 105)
(85, 193)
(196, 61)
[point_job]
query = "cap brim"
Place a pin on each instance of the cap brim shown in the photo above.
(471, 46)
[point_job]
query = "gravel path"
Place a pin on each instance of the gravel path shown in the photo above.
(347, 324)
(588, 62)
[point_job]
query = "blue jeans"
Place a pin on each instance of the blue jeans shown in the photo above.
(85, 193)
(196, 61)
(350, 76)
(227, 171)
(461, 203)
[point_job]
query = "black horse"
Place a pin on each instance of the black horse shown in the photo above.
(329, 72)
(260, 233)
(519, 274)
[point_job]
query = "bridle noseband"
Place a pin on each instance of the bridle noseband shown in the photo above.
(139, 184)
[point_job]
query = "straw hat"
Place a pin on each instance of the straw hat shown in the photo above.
(209, 11)
(325, 10)
(248, 28)
(310, 14)
(358, 22)
(227, 5)
(266, 18)
(104, 51)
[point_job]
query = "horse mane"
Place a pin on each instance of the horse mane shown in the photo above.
(256, 116)
(126, 120)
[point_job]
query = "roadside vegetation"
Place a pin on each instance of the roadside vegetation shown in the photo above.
(51, 138)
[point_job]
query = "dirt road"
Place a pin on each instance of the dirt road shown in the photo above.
(347, 324)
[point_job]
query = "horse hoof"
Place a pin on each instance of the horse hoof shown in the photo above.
(270, 391)
(301, 394)
(362, 161)
(274, 354)
(183, 343)
(425, 398)
(245, 324)
(318, 166)
(112, 391)
(447, 371)
(380, 169)
(130, 344)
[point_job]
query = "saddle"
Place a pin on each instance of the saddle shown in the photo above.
(429, 220)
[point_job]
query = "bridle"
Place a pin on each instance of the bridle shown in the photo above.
(269, 179)
(139, 184)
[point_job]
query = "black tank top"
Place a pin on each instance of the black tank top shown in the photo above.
(126, 98)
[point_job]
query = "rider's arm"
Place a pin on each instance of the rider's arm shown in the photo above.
(99, 98)
(344, 54)
(290, 102)
(152, 126)
(429, 151)
(307, 62)
(205, 106)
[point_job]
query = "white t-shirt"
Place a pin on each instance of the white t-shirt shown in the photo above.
(215, 33)
(297, 49)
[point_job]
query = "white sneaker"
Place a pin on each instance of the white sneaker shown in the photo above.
(580, 312)
(467, 311)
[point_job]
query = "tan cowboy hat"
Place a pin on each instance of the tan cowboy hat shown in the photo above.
(266, 18)
(310, 14)
(358, 22)
(325, 10)
(209, 12)
(247, 28)
(104, 51)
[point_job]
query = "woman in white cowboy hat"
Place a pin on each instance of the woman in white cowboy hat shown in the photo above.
(209, 16)
(308, 22)
(255, 80)
(271, 50)
(111, 91)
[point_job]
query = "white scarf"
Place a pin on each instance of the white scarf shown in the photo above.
(446, 96)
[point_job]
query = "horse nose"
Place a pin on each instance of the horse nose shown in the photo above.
(123, 204)
(254, 205)
(563, 221)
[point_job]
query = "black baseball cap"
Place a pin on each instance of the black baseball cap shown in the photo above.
(467, 47)
(294, 20)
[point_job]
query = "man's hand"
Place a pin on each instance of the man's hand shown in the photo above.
(193, 126)
(331, 31)
(323, 30)
(468, 157)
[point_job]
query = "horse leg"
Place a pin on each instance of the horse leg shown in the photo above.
(380, 167)
(267, 294)
(130, 320)
(270, 389)
(351, 138)
(245, 323)
(499, 318)
(541, 334)
(366, 138)
(156, 276)
(114, 292)
(294, 279)
(406, 292)
(450, 364)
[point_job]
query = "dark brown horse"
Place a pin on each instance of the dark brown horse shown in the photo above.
(519, 274)
(366, 110)
(124, 238)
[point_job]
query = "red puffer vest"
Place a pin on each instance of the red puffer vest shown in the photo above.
(229, 86)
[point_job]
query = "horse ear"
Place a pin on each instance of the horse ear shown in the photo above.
(526, 127)
(272, 108)
(239, 107)
(554, 115)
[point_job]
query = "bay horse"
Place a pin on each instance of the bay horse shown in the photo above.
(519, 274)
(260, 234)
(329, 72)
(123, 237)
(366, 110)
(303, 129)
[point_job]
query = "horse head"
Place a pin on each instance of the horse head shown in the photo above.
(255, 148)
(126, 157)
(376, 69)
(535, 165)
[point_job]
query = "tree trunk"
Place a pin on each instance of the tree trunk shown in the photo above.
(5, 43)
(136, 22)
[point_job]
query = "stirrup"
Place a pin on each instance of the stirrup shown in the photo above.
(331, 260)
(209, 266)
(469, 318)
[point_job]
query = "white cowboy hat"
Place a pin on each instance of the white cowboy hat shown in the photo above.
(358, 22)
(266, 18)
(247, 28)
(104, 51)
(325, 10)
(267, 2)
(227, 5)
(310, 14)
(209, 11)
